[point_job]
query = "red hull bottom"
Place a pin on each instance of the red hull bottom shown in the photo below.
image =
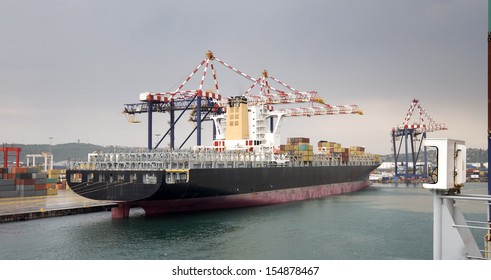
(158, 207)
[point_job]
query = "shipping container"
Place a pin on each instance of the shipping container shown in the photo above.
(25, 188)
(40, 187)
(51, 180)
(5, 194)
(40, 175)
(51, 192)
(23, 175)
(25, 181)
(43, 192)
(7, 182)
(7, 188)
(41, 181)
(303, 147)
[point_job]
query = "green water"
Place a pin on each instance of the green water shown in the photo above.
(383, 222)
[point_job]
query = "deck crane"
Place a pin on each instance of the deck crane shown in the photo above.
(415, 133)
(215, 106)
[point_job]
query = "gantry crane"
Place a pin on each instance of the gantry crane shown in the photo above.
(414, 134)
(214, 104)
(179, 99)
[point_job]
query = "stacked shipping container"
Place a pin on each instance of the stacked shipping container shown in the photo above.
(332, 148)
(25, 181)
(299, 147)
(57, 178)
(326, 147)
(358, 151)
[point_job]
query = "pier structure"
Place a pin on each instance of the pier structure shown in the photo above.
(13, 209)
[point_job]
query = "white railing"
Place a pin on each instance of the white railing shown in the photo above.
(189, 159)
(453, 238)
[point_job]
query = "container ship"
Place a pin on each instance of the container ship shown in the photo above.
(244, 166)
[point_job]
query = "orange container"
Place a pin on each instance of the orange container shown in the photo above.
(40, 187)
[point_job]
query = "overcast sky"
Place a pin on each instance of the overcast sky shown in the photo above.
(67, 67)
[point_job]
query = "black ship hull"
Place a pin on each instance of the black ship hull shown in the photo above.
(204, 189)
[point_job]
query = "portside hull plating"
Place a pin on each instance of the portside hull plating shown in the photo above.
(221, 187)
(156, 207)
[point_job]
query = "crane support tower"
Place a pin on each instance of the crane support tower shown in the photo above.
(413, 135)
(209, 104)
(6, 154)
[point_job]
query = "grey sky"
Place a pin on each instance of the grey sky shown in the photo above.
(67, 67)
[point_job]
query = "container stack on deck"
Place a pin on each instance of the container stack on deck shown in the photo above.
(332, 148)
(357, 151)
(298, 147)
(326, 147)
(25, 181)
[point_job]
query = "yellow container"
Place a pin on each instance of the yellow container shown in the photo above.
(51, 191)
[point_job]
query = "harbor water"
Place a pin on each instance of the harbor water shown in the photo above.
(382, 222)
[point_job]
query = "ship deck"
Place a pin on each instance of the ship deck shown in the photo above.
(66, 202)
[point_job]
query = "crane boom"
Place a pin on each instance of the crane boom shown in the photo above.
(317, 111)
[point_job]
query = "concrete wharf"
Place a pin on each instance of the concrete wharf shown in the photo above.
(66, 202)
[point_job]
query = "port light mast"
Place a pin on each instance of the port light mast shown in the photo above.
(412, 134)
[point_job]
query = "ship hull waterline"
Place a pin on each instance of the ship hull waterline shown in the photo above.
(159, 207)
(210, 189)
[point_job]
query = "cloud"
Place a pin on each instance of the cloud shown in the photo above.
(75, 63)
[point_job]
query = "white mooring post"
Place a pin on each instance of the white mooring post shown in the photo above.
(452, 238)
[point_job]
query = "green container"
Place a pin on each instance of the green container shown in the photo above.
(303, 147)
(51, 180)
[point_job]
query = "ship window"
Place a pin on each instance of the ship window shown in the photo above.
(150, 179)
(231, 123)
(101, 177)
(90, 177)
(176, 177)
(76, 177)
(120, 177)
(236, 123)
